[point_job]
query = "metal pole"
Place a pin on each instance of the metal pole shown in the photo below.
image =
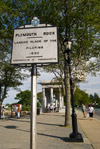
(0, 102)
(33, 107)
(65, 89)
(75, 136)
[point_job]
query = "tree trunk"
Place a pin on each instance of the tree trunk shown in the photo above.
(67, 96)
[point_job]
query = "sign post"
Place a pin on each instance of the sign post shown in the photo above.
(33, 107)
(34, 45)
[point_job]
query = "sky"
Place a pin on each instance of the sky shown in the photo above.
(27, 86)
(91, 86)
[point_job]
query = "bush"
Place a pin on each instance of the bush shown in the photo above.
(26, 108)
(38, 104)
(98, 106)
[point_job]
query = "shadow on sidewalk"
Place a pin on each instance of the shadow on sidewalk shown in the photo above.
(65, 139)
(14, 127)
(18, 120)
(83, 119)
(52, 114)
(62, 138)
(49, 124)
(11, 127)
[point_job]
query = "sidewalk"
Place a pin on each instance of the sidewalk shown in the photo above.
(15, 133)
(91, 129)
(52, 135)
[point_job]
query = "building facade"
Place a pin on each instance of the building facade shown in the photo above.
(52, 96)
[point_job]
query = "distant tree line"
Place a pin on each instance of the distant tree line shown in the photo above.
(95, 99)
(80, 96)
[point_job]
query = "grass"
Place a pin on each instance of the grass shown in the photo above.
(63, 126)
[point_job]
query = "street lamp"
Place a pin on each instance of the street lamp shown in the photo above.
(0, 101)
(75, 136)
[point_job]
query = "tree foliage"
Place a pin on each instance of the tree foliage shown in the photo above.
(10, 76)
(83, 30)
(81, 97)
(95, 99)
(77, 20)
(39, 97)
(91, 98)
(24, 98)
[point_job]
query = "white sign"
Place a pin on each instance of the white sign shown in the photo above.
(35, 45)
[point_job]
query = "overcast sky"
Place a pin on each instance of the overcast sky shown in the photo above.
(91, 86)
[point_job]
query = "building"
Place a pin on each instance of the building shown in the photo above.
(52, 95)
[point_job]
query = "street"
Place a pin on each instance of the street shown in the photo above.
(97, 113)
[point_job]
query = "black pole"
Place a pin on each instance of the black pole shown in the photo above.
(0, 102)
(65, 96)
(75, 136)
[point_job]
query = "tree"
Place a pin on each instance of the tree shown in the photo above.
(10, 76)
(91, 98)
(96, 98)
(24, 98)
(83, 30)
(81, 97)
(39, 97)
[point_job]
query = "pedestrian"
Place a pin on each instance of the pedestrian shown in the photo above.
(3, 112)
(47, 109)
(84, 110)
(54, 108)
(18, 112)
(91, 111)
(51, 108)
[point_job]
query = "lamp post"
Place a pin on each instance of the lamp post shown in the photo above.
(0, 101)
(75, 136)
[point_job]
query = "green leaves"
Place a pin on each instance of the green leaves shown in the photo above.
(79, 20)
(81, 97)
(24, 97)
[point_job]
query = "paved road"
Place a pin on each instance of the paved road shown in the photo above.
(97, 114)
